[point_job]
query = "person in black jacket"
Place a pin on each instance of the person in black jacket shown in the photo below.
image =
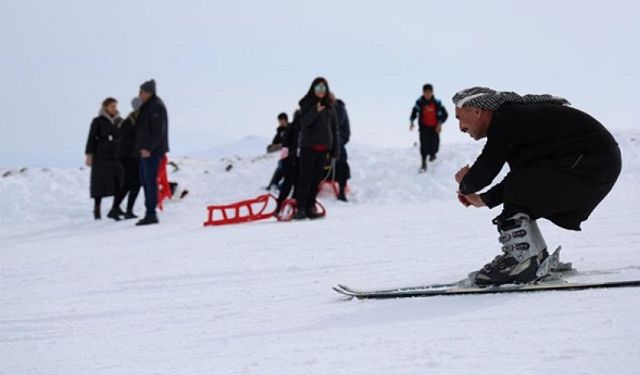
(151, 144)
(562, 163)
(129, 159)
(343, 171)
(100, 153)
(289, 160)
(276, 145)
(431, 115)
(318, 139)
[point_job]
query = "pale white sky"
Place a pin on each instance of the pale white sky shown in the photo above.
(226, 69)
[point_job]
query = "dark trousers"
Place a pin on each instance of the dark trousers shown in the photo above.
(149, 179)
(429, 141)
(565, 191)
(311, 167)
(131, 184)
(343, 173)
(278, 174)
(290, 168)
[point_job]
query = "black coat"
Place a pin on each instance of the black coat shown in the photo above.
(562, 162)
(344, 127)
(102, 144)
(152, 127)
(127, 132)
(319, 128)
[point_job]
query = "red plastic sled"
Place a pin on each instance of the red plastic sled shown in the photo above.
(241, 212)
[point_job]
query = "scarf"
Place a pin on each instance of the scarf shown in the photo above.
(486, 98)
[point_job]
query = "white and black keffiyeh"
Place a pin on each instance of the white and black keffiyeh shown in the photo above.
(486, 98)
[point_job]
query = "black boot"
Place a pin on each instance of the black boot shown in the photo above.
(423, 167)
(96, 213)
(130, 215)
(300, 215)
(341, 195)
(115, 213)
(148, 220)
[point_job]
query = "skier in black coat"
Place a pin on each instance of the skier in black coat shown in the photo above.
(562, 163)
(151, 143)
(431, 114)
(129, 159)
(318, 140)
(101, 155)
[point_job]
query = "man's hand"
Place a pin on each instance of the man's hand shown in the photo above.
(144, 153)
(439, 128)
(411, 126)
(88, 160)
(320, 107)
(471, 200)
(461, 173)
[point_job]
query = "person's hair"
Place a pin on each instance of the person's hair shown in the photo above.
(108, 101)
(328, 98)
(283, 116)
(427, 86)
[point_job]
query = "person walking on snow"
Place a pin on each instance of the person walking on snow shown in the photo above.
(151, 143)
(129, 159)
(101, 155)
(562, 163)
(431, 114)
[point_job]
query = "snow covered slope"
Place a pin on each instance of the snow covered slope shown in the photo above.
(80, 296)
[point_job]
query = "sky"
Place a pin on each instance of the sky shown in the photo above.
(226, 69)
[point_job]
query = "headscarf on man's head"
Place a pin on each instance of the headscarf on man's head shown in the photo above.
(486, 98)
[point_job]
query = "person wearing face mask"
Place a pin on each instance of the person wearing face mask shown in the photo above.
(101, 154)
(562, 164)
(318, 140)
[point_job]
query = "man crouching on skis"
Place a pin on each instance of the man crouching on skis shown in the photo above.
(562, 163)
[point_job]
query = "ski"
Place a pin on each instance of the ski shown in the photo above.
(456, 289)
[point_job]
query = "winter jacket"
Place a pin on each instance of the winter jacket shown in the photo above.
(102, 144)
(276, 143)
(152, 127)
(344, 127)
(422, 104)
(319, 128)
(549, 145)
(127, 132)
(103, 137)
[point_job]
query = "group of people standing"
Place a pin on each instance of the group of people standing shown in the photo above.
(126, 154)
(313, 141)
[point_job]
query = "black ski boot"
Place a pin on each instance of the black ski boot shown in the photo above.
(524, 250)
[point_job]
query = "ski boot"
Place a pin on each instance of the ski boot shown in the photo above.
(524, 251)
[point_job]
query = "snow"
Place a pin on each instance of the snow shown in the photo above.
(100, 297)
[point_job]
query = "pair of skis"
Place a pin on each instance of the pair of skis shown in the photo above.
(550, 279)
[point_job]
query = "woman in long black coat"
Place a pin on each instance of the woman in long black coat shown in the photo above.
(101, 154)
(319, 139)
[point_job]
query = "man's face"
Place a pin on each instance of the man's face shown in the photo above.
(144, 96)
(428, 94)
(282, 122)
(472, 122)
